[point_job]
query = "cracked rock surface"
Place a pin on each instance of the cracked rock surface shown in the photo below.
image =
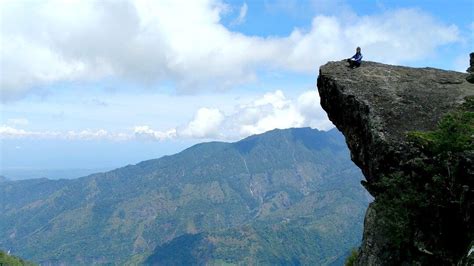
(374, 106)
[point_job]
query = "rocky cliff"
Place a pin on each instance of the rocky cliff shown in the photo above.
(391, 116)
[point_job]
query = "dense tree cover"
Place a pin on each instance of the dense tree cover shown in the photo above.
(284, 243)
(7, 260)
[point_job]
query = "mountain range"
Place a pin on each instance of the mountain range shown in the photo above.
(283, 197)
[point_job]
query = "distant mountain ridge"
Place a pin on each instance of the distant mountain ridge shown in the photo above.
(284, 183)
(32, 173)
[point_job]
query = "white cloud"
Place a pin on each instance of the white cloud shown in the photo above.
(18, 121)
(145, 132)
(8, 132)
(242, 14)
(276, 99)
(266, 112)
(11, 132)
(305, 111)
(148, 41)
(206, 124)
(87, 134)
(271, 111)
(308, 105)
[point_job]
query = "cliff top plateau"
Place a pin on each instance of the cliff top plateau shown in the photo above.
(375, 105)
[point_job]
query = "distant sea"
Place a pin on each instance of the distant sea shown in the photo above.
(31, 173)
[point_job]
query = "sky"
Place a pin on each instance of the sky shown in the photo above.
(102, 84)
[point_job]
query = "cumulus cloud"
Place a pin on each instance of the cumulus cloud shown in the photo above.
(206, 124)
(266, 112)
(273, 110)
(269, 111)
(145, 132)
(149, 41)
(309, 107)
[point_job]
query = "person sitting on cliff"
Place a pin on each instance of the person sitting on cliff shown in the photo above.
(355, 60)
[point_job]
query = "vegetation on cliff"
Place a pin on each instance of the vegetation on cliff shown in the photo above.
(427, 206)
(7, 260)
(352, 259)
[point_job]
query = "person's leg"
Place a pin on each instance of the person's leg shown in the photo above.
(356, 64)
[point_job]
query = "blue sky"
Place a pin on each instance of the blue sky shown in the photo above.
(94, 84)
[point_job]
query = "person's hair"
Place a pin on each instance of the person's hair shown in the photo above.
(358, 49)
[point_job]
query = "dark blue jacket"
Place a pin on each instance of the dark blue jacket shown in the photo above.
(357, 57)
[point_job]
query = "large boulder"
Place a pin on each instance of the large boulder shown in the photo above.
(375, 106)
(470, 70)
(471, 63)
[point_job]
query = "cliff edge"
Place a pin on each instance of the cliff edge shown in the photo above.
(377, 107)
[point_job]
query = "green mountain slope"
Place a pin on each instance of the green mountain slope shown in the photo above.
(295, 179)
(305, 234)
(8, 260)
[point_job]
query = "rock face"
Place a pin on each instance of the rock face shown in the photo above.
(471, 63)
(470, 78)
(375, 106)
